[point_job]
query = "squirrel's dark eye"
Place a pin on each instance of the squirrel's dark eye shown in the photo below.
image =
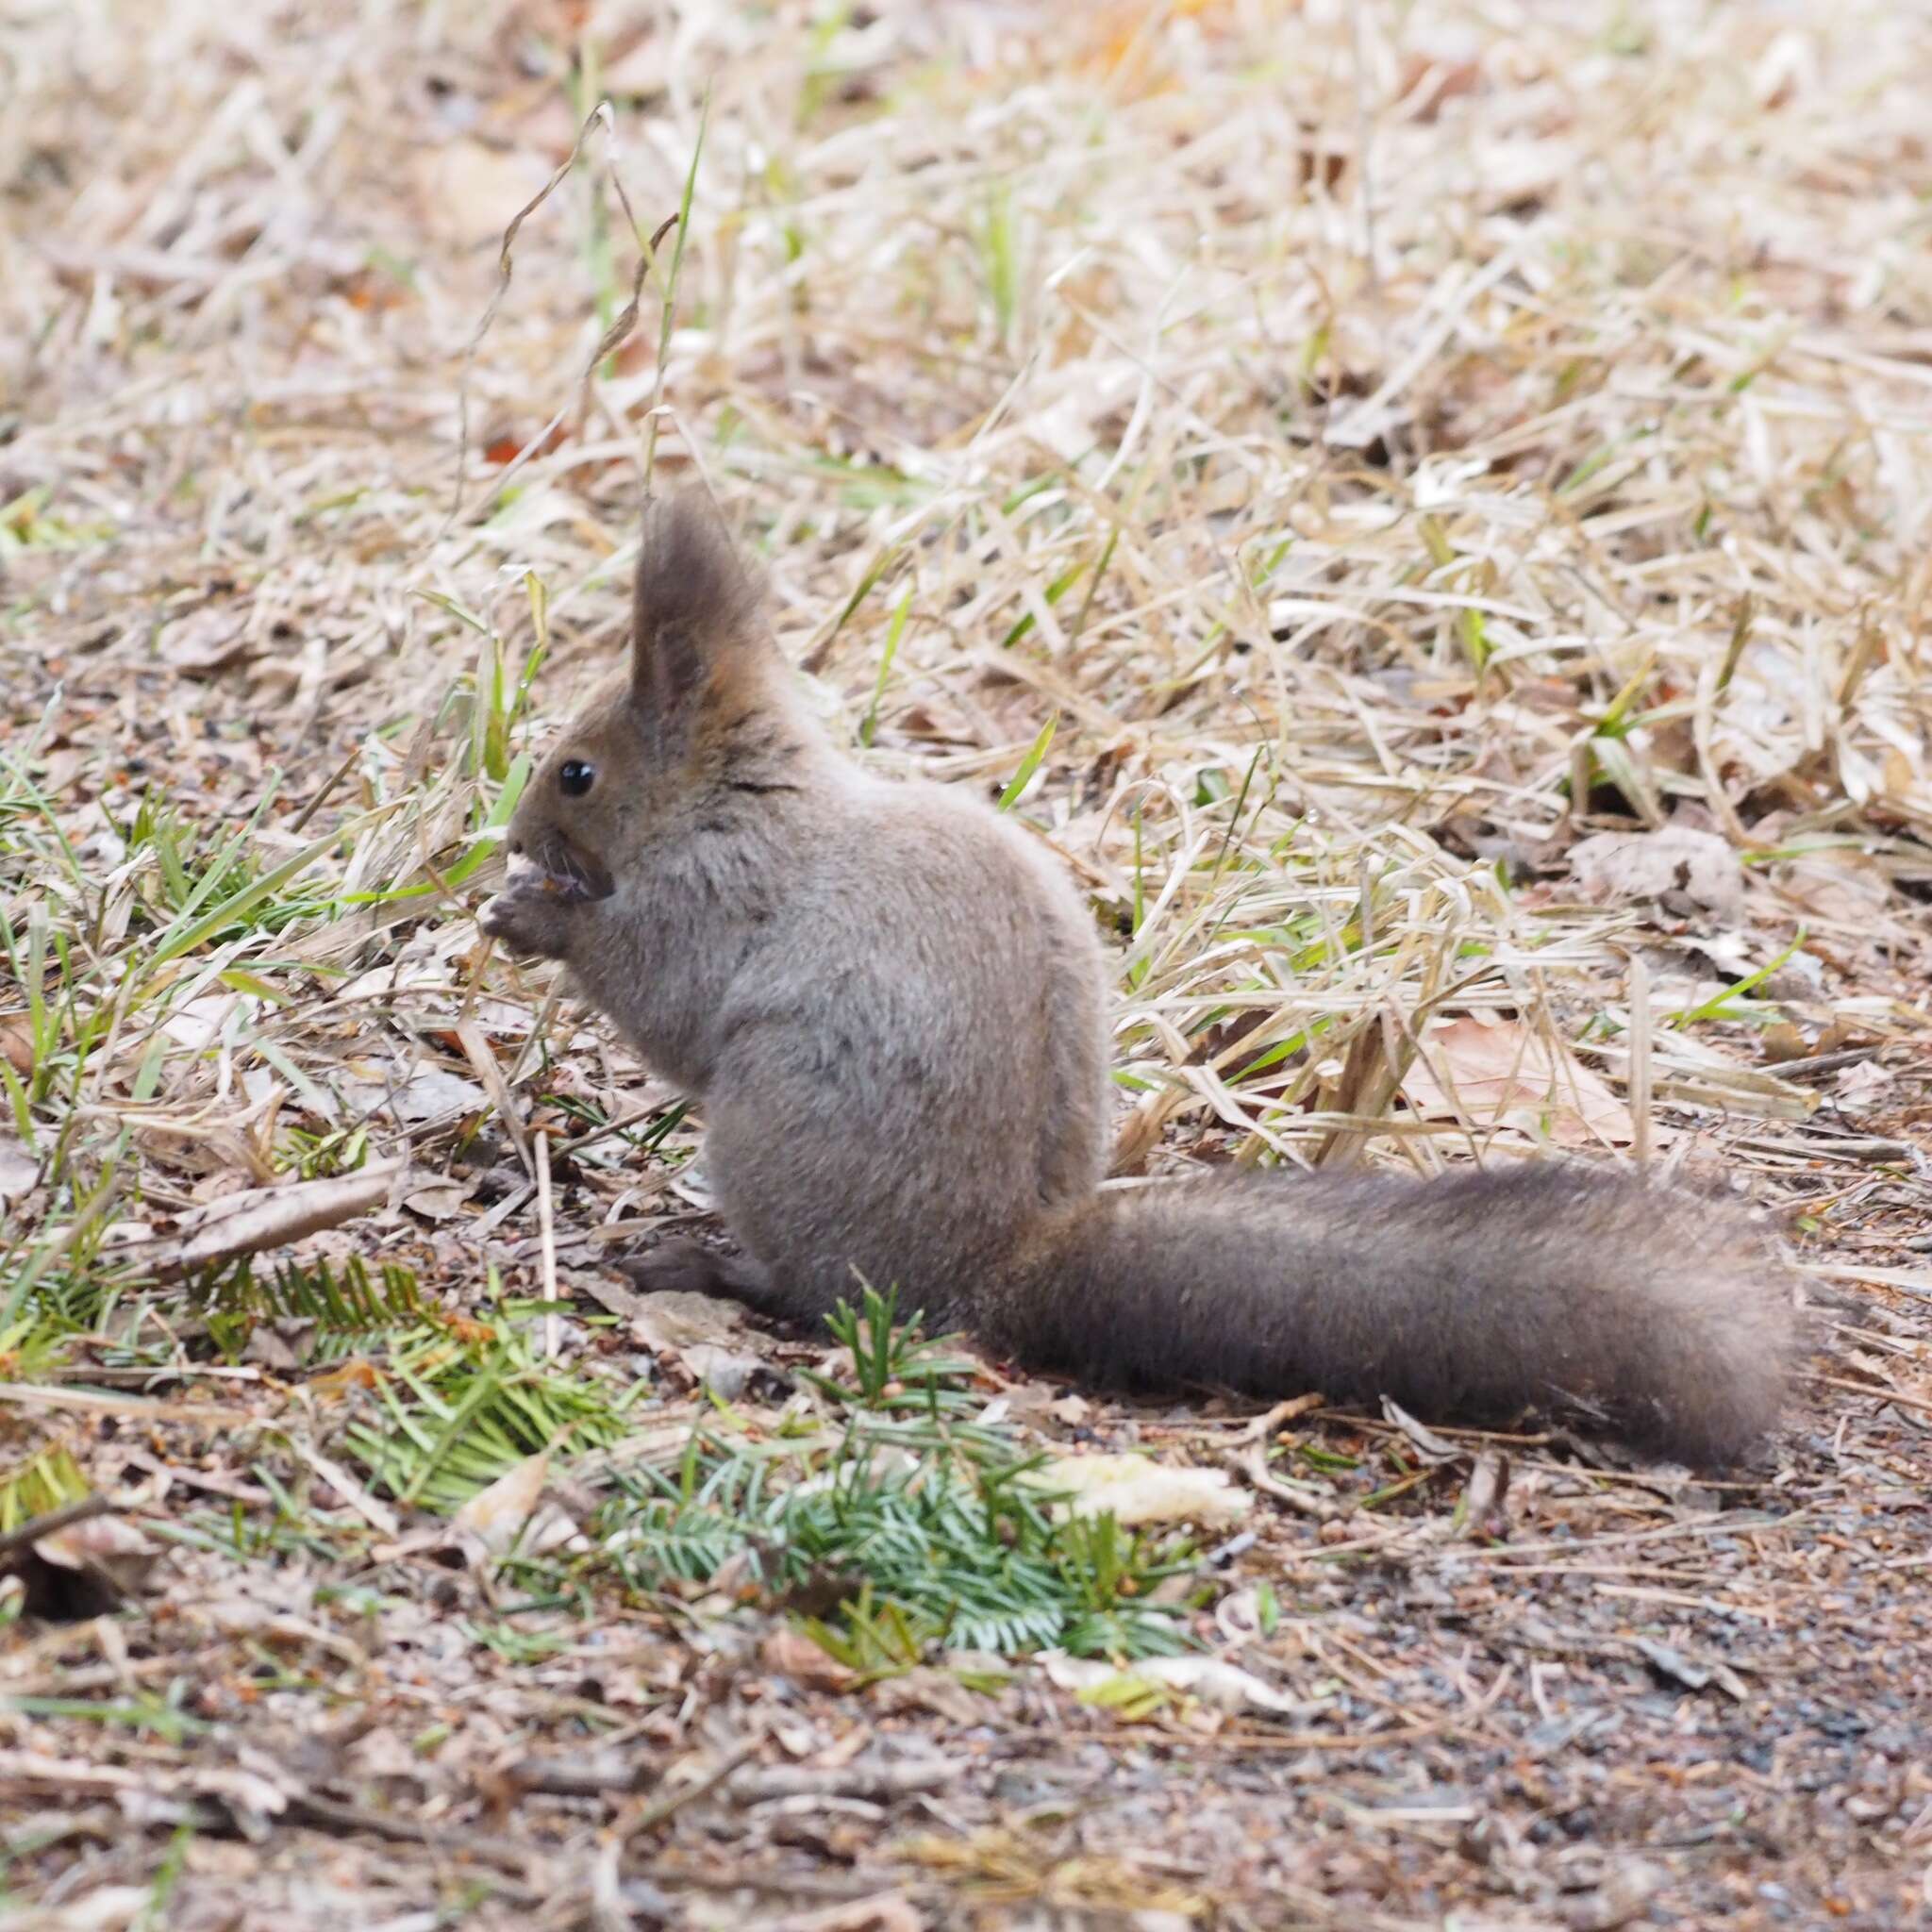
(575, 777)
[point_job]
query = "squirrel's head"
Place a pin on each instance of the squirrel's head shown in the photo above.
(694, 724)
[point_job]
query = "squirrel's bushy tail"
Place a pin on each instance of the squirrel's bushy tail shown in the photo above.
(1649, 1314)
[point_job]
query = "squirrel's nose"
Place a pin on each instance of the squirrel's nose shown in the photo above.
(516, 848)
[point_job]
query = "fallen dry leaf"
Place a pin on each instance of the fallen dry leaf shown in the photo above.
(1685, 872)
(1238, 1615)
(1135, 1490)
(105, 1908)
(427, 1093)
(1499, 1073)
(703, 1334)
(1436, 1448)
(16, 1046)
(789, 1653)
(1866, 1088)
(238, 1616)
(441, 1201)
(1845, 888)
(1038, 1402)
(206, 641)
(727, 1373)
(19, 1169)
(81, 1569)
(99, 1540)
(1622, 1899)
(1225, 1686)
(926, 1690)
(197, 1023)
(513, 1514)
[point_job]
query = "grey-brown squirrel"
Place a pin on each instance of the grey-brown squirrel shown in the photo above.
(889, 1001)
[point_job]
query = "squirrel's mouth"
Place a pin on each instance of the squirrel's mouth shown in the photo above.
(552, 864)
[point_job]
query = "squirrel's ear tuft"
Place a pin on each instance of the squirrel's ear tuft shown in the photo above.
(695, 603)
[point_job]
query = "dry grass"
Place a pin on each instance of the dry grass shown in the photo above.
(1394, 444)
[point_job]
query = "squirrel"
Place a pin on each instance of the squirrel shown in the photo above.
(889, 1001)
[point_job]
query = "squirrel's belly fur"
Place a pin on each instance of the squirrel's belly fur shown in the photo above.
(890, 1004)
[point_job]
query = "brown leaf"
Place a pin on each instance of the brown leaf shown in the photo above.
(1683, 871)
(84, 1567)
(513, 1514)
(99, 1540)
(703, 1336)
(427, 1093)
(206, 641)
(925, 1689)
(789, 1653)
(507, 447)
(442, 1201)
(1428, 80)
(1499, 1073)
(16, 1046)
(1867, 1087)
(1622, 1899)
(1846, 888)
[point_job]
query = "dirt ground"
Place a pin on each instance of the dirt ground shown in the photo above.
(1426, 507)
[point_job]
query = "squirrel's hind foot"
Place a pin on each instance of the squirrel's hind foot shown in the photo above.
(684, 1266)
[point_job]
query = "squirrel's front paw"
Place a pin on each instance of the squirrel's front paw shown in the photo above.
(529, 921)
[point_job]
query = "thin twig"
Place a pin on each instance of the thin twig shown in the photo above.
(65, 1517)
(327, 1814)
(553, 1324)
(654, 1815)
(1640, 1061)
